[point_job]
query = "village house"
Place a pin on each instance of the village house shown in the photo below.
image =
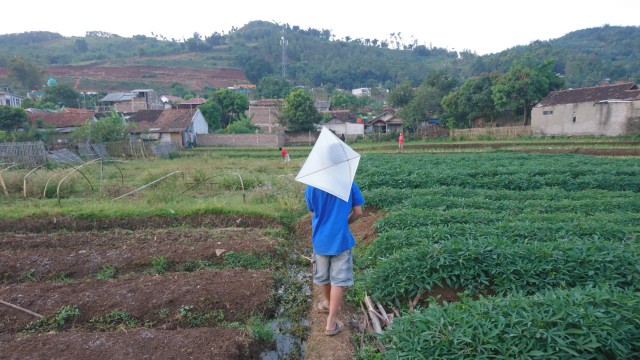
(359, 92)
(263, 113)
(169, 100)
(9, 99)
(608, 110)
(387, 122)
(132, 101)
(180, 126)
(191, 104)
(344, 122)
(64, 122)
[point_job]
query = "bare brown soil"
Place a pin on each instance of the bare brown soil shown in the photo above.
(177, 314)
(196, 79)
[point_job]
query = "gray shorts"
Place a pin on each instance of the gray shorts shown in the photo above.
(335, 269)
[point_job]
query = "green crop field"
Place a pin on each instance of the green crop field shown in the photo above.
(539, 253)
(542, 251)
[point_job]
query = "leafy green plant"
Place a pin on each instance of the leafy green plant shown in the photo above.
(160, 265)
(28, 276)
(61, 320)
(114, 319)
(589, 322)
(245, 260)
(62, 276)
(106, 273)
(196, 318)
(260, 330)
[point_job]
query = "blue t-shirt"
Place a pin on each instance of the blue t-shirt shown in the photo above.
(330, 221)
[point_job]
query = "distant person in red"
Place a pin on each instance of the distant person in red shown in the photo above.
(401, 141)
(285, 155)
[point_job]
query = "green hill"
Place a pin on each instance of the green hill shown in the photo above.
(313, 58)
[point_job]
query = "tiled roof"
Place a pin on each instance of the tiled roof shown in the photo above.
(145, 116)
(168, 120)
(266, 102)
(60, 120)
(75, 110)
(342, 115)
(622, 91)
(194, 101)
(172, 98)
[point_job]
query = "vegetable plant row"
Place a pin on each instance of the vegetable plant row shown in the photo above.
(542, 249)
(499, 266)
(497, 171)
(578, 323)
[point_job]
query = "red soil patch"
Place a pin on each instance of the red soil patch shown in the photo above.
(196, 79)
(177, 314)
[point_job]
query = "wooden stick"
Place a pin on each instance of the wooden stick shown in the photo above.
(364, 327)
(375, 320)
(22, 309)
(383, 313)
(415, 301)
(4, 187)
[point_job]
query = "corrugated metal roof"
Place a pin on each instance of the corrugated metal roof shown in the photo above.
(118, 96)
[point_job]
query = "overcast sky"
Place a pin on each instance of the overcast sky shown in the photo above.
(481, 26)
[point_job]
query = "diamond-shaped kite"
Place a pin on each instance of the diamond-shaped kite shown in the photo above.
(331, 165)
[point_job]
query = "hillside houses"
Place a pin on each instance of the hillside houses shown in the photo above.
(132, 101)
(180, 126)
(608, 110)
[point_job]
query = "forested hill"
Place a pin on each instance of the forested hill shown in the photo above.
(316, 58)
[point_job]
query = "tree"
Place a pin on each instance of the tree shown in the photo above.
(25, 72)
(62, 94)
(80, 45)
(522, 87)
(232, 105)
(242, 126)
(12, 118)
(401, 95)
(342, 100)
(473, 100)
(299, 112)
(257, 68)
(212, 113)
(272, 87)
(106, 129)
(424, 105)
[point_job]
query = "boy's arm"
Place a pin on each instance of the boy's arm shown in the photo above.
(356, 213)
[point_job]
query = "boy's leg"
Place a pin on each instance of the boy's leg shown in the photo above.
(334, 306)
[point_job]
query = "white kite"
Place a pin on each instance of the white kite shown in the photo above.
(331, 166)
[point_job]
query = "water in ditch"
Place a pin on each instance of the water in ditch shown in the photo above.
(295, 293)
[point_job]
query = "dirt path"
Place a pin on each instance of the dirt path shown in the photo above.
(342, 346)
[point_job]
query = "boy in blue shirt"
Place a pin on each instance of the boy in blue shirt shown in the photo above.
(332, 242)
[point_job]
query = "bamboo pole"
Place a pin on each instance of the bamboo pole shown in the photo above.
(22, 309)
